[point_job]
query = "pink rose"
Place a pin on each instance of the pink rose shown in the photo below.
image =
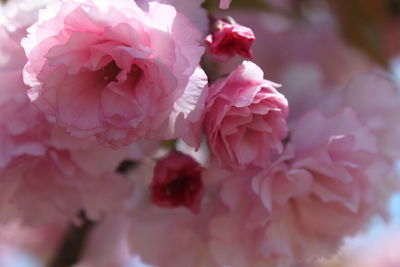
(245, 118)
(229, 39)
(112, 70)
(177, 182)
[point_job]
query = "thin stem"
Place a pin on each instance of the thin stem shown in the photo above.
(70, 250)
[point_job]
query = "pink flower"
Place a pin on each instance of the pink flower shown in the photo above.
(44, 172)
(47, 174)
(245, 118)
(229, 39)
(177, 182)
(326, 188)
(224, 4)
(99, 67)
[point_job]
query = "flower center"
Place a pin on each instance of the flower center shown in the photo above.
(110, 72)
(177, 182)
(180, 186)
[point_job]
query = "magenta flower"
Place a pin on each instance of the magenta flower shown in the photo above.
(177, 182)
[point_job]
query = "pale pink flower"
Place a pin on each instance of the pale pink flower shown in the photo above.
(173, 238)
(112, 70)
(245, 118)
(177, 182)
(229, 39)
(238, 234)
(44, 172)
(326, 188)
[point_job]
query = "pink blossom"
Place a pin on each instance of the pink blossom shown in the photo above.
(229, 39)
(245, 118)
(177, 182)
(98, 67)
(224, 4)
(48, 174)
(326, 188)
(44, 172)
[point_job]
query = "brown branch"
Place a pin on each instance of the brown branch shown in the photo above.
(70, 250)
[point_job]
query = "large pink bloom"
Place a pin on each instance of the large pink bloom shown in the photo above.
(245, 118)
(326, 188)
(44, 172)
(112, 70)
(47, 174)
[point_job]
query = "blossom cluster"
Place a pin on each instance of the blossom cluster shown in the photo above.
(225, 167)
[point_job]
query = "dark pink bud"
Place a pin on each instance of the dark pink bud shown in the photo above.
(229, 39)
(177, 182)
